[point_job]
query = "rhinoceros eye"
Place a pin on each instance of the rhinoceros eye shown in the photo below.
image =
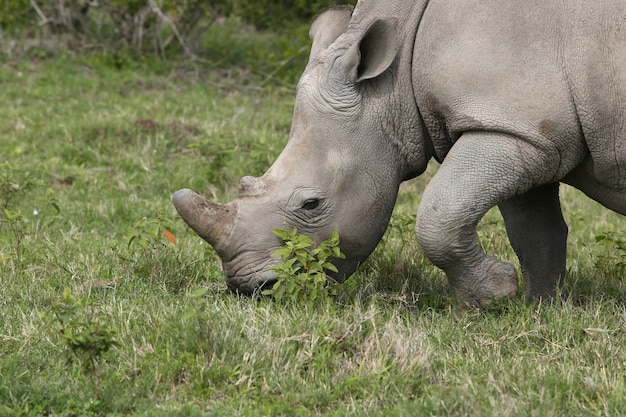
(311, 204)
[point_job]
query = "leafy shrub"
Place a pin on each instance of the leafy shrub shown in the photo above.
(611, 256)
(149, 24)
(138, 24)
(15, 13)
(15, 184)
(149, 243)
(301, 276)
(86, 332)
(277, 14)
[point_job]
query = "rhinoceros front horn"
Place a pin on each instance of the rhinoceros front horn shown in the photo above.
(211, 221)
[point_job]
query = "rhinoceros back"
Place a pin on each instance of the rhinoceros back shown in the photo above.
(546, 71)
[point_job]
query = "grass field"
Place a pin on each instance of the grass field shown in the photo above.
(89, 157)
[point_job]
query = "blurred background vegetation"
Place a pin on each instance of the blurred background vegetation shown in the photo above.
(259, 36)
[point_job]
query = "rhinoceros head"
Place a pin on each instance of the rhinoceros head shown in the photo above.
(338, 171)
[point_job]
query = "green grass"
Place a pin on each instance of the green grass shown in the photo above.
(108, 146)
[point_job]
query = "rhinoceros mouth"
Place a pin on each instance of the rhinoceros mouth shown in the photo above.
(251, 289)
(252, 282)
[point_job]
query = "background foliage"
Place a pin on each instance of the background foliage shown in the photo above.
(148, 25)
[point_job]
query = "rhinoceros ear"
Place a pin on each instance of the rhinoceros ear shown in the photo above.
(327, 26)
(374, 52)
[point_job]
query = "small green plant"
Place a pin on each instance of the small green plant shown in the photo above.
(85, 332)
(14, 183)
(145, 243)
(301, 275)
(613, 255)
(197, 311)
(14, 220)
(148, 233)
(401, 226)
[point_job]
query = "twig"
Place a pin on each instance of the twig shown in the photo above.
(167, 19)
(282, 65)
(44, 19)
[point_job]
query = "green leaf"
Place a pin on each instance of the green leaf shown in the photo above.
(189, 314)
(284, 235)
(198, 292)
(337, 253)
(283, 252)
(130, 238)
(12, 215)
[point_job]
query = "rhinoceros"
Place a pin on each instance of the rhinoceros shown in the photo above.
(510, 97)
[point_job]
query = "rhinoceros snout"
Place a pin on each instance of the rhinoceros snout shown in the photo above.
(250, 284)
(246, 262)
(250, 289)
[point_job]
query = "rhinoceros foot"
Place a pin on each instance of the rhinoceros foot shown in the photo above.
(479, 287)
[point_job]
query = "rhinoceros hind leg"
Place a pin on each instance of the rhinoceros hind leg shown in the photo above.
(612, 196)
(538, 234)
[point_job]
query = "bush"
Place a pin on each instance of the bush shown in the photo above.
(142, 25)
(15, 13)
(148, 25)
(301, 276)
(276, 14)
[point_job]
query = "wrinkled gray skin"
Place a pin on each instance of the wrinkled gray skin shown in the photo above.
(512, 97)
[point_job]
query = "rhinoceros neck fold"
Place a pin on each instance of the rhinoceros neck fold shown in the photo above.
(407, 133)
(213, 222)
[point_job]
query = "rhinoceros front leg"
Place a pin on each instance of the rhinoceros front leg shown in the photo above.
(481, 170)
(538, 234)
